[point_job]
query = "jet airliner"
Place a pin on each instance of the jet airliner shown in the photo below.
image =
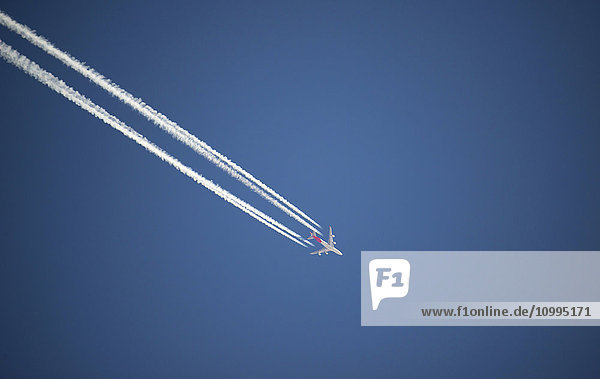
(328, 246)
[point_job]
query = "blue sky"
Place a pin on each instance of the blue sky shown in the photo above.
(406, 126)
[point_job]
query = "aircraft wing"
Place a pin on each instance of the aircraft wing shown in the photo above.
(323, 250)
(330, 237)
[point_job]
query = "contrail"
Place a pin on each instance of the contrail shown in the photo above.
(57, 85)
(162, 121)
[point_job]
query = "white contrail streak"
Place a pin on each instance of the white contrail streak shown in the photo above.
(161, 121)
(57, 85)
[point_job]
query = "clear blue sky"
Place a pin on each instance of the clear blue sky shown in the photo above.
(405, 125)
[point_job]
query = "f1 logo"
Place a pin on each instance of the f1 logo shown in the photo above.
(388, 278)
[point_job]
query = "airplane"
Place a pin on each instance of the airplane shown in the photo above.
(328, 246)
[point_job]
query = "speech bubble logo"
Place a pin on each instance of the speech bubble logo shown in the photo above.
(388, 278)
